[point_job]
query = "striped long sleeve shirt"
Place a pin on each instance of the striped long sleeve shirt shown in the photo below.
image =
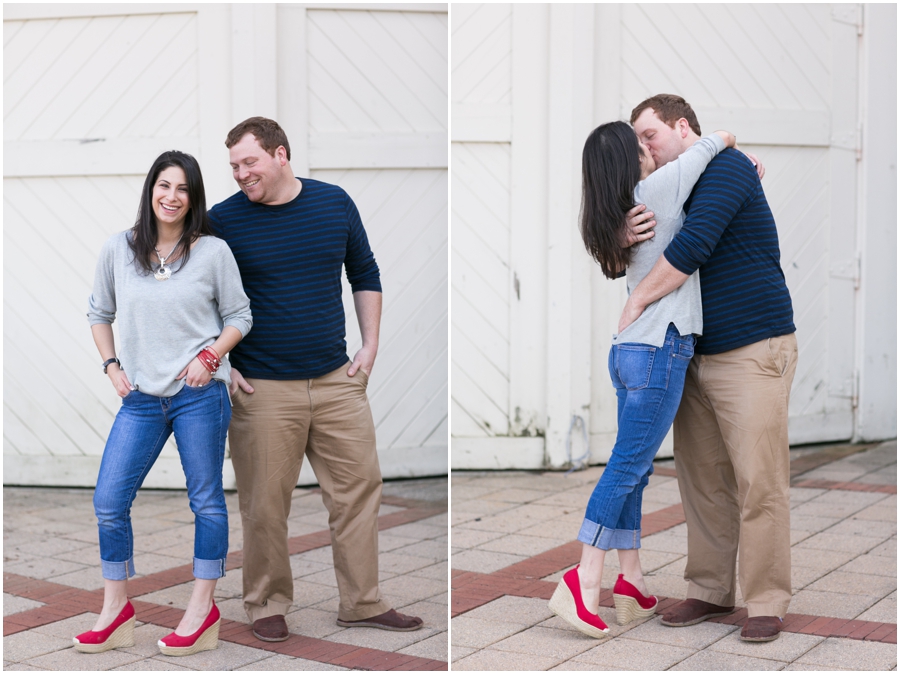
(290, 257)
(729, 235)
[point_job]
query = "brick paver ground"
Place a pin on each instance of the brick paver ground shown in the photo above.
(511, 541)
(53, 587)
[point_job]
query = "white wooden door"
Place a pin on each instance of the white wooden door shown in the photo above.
(378, 128)
(532, 320)
(481, 78)
(93, 93)
(489, 428)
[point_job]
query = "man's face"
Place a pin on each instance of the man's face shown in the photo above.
(256, 172)
(664, 142)
(648, 164)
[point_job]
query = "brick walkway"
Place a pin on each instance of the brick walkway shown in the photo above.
(511, 541)
(53, 588)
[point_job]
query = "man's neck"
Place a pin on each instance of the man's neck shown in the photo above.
(288, 192)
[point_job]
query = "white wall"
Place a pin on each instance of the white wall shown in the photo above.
(877, 352)
(523, 388)
(93, 93)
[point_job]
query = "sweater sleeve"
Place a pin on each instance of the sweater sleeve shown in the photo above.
(234, 305)
(362, 270)
(102, 302)
(723, 189)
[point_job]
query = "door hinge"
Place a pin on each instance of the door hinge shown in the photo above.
(849, 13)
(849, 268)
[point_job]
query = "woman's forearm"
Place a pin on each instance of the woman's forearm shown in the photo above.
(227, 340)
(103, 338)
(729, 138)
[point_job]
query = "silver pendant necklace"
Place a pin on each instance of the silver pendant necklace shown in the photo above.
(164, 272)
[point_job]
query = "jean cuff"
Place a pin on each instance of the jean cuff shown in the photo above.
(117, 570)
(209, 569)
(604, 538)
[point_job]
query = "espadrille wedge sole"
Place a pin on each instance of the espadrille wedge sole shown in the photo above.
(628, 609)
(122, 637)
(207, 641)
(564, 604)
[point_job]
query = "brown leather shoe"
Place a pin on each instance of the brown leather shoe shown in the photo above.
(762, 628)
(396, 622)
(273, 628)
(691, 612)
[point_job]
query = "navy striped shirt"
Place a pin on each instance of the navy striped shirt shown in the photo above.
(729, 234)
(290, 257)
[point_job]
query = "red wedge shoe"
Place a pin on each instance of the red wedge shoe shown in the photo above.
(119, 634)
(567, 603)
(630, 603)
(204, 639)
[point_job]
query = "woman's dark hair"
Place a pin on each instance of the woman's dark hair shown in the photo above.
(196, 223)
(611, 169)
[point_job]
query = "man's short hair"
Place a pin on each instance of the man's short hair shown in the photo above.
(669, 108)
(267, 132)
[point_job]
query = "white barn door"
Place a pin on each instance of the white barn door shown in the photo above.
(490, 428)
(378, 128)
(532, 317)
(92, 94)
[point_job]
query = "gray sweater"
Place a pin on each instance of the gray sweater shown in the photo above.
(664, 192)
(163, 325)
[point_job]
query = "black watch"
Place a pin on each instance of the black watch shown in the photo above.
(110, 362)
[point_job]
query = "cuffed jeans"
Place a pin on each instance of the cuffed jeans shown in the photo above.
(199, 417)
(649, 382)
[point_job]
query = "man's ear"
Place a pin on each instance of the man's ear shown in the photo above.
(281, 155)
(683, 127)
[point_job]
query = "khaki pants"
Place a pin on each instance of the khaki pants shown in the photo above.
(329, 420)
(731, 455)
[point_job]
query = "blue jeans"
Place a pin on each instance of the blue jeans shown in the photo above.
(199, 417)
(649, 382)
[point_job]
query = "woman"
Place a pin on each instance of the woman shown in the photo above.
(181, 307)
(647, 361)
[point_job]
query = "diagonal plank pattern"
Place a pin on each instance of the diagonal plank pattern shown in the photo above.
(377, 72)
(100, 72)
(481, 69)
(480, 289)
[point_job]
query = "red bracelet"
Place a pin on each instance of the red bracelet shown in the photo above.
(210, 359)
(205, 362)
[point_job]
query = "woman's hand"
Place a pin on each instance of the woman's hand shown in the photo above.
(630, 313)
(640, 225)
(760, 169)
(195, 374)
(119, 380)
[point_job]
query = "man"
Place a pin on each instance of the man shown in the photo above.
(731, 442)
(290, 238)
